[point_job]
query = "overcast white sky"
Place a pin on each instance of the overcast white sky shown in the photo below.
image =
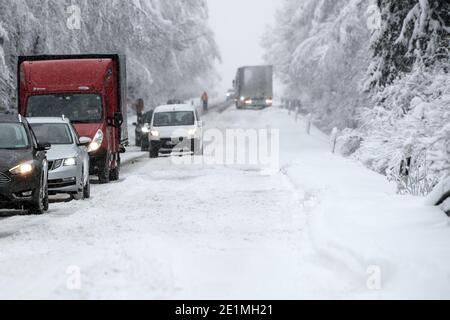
(239, 26)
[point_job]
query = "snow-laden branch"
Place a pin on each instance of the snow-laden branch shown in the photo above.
(412, 16)
(419, 16)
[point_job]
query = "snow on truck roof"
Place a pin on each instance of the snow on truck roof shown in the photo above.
(174, 108)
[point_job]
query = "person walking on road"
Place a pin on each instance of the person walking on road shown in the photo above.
(204, 99)
(139, 110)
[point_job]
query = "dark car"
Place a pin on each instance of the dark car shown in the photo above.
(143, 129)
(23, 167)
(231, 95)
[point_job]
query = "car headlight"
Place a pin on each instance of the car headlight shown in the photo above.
(248, 101)
(70, 162)
(145, 129)
(23, 169)
(154, 133)
(96, 142)
(242, 98)
(269, 101)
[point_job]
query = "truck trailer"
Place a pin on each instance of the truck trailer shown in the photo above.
(89, 90)
(254, 87)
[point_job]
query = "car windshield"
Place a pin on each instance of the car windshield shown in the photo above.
(79, 108)
(173, 119)
(13, 136)
(53, 133)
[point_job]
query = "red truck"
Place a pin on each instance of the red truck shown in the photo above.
(90, 90)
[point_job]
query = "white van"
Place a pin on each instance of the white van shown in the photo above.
(176, 128)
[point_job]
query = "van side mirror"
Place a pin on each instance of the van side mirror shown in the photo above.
(118, 120)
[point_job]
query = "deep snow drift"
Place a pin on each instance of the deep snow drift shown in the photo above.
(322, 227)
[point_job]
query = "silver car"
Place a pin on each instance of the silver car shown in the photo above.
(68, 159)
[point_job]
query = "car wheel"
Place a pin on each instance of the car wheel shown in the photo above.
(46, 198)
(87, 189)
(37, 206)
(144, 146)
(193, 146)
(115, 173)
(154, 153)
(104, 172)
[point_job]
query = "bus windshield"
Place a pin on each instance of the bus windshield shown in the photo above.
(79, 108)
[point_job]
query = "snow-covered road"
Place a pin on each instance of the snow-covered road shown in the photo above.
(322, 227)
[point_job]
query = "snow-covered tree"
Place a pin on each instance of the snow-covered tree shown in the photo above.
(320, 49)
(170, 48)
(5, 77)
(410, 80)
(412, 31)
(384, 80)
(410, 122)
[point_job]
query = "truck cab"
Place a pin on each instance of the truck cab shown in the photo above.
(89, 90)
(254, 87)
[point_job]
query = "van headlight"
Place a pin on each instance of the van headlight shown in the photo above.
(96, 142)
(23, 169)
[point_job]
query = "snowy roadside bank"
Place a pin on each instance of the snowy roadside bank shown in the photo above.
(389, 246)
(441, 195)
(358, 224)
